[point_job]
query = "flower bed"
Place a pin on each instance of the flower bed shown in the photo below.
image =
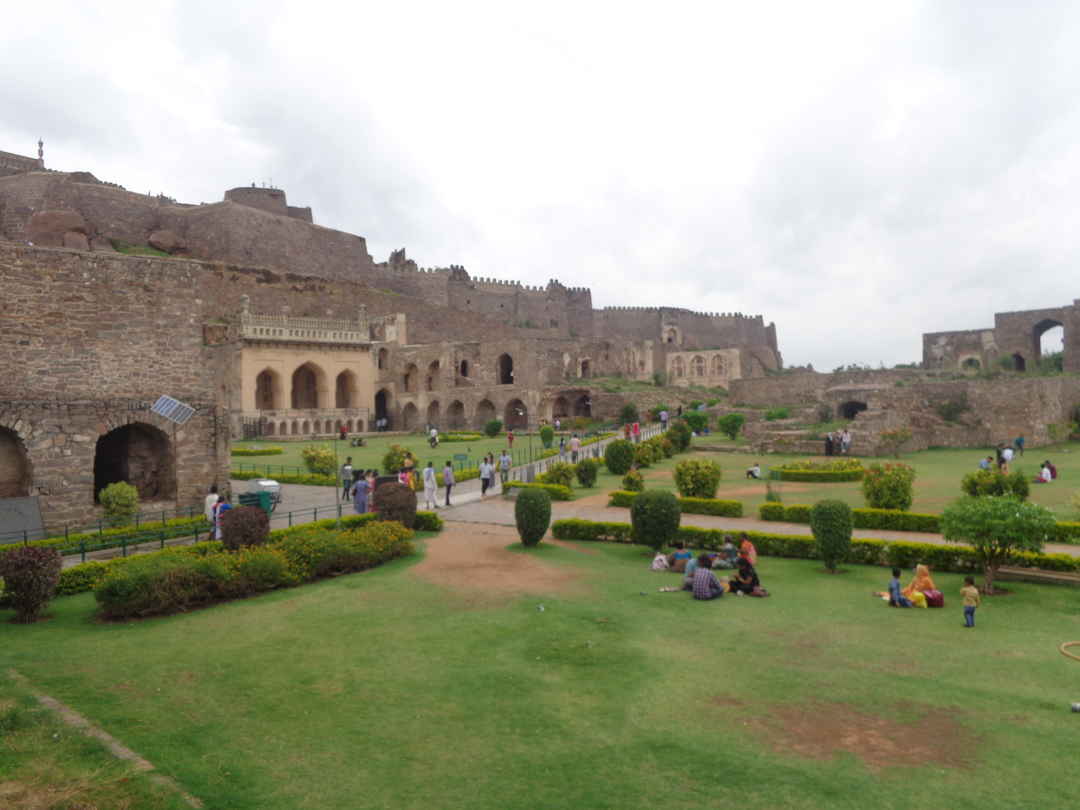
(844, 469)
(257, 451)
(689, 506)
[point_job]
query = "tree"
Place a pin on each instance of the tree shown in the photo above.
(831, 523)
(120, 501)
(697, 478)
(730, 424)
(888, 486)
(532, 515)
(547, 436)
(493, 428)
(997, 527)
(892, 440)
(655, 517)
(628, 414)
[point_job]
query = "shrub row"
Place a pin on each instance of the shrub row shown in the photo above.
(83, 577)
(818, 476)
(557, 491)
(257, 451)
(893, 520)
(310, 479)
(178, 579)
(107, 538)
(688, 506)
(863, 551)
(460, 437)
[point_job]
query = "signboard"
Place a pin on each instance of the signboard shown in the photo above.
(461, 457)
(172, 409)
(19, 518)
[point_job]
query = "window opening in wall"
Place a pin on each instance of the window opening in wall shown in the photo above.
(15, 471)
(849, 410)
(464, 368)
(505, 369)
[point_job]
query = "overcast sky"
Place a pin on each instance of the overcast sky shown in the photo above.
(858, 172)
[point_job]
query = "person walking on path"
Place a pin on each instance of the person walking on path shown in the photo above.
(575, 446)
(448, 479)
(429, 487)
(220, 508)
(211, 499)
(485, 476)
(971, 600)
(663, 420)
(360, 496)
(504, 468)
(1019, 444)
(346, 478)
(371, 478)
(828, 444)
(510, 438)
(562, 448)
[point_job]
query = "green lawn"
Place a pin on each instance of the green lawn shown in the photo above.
(381, 690)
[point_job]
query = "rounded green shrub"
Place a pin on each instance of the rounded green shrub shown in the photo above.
(697, 478)
(586, 471)
(773, 414)
(493, 428)
(319, 460)
(628, 414)
(532, 514)
(619, 456)
(730, 424)
(633, 482)
(643, 456)
(394, 501)
(888, 486)
(244, 526)
(697, 421)
(559, 473)
(547, 436)
(831, 523)
(666, 447)
(30, 575)
(655, 517)
(393, 459)
(679, 434)
(995, 482)
(121, 502)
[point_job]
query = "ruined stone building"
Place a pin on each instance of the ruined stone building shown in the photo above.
(271, 325)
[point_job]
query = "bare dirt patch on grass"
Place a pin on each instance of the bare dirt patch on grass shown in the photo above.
(905, 735)
(472, 557)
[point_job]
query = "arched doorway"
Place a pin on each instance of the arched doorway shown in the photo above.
(505, 370)
(267, 390)
(463, 369)
(583, 406)
(516, 415)
(408, 379)
(697, 366)
(717, 366)
(305, 427)
(850, 409)
(345, 393)
(560, 408)
(306, 382)
(678, 368)
(455, 415)
(1050, 344)
(410, 414)
(485, 412)
(15, 471)
(971, 364)
(433, 413)
(139, 454)
(1018, 362)
(432, 379)
(270, 428)
(586, 369)
(382, 405)
(383, 358)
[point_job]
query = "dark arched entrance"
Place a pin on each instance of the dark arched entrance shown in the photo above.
(505, 370)
(139, 454)
(305, 387)
(15, 472)
(850, 409)
(583, 406)
(485, 412)
(455, 415)
(410, 415)
(516, 415)
(345, 390)
(560, 408)
(1018, 362)
(267, 390)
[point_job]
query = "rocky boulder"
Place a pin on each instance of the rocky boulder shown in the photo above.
(76, 240)
(50, 228)
(167, 241)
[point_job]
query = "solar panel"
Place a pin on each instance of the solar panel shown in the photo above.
(172, 409)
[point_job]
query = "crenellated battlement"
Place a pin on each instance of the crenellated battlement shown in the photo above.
(681, 311)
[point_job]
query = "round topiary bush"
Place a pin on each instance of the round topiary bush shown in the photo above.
(547, 436)
(619, 457)
(888, 486)
(680, 435)
(697, 478)
(643, 455)
(532, 514)
(121, 502)
(628, 414)
(394, 501)
(558, 473)
(633, 482)
(393, 459)
(319, 460)
(830, 521)
(30, 576)
(586, 471)
(493, 428)
(697, 420)
(655, 517)
(244, 526)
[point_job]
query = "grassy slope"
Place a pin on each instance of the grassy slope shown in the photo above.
(378, 690)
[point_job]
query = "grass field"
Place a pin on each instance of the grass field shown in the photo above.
(384, 690)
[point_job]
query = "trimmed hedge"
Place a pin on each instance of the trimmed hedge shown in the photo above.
(863, 551)
(108, 538)
(257, 451)
(557, 491)
(309, 479)
(692, 506)
(892, 520)
(818, 476)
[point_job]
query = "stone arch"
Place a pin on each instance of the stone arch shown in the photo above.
(359, 425)
(434, 412)
(971, 363)
(328, 426)
(308, 387)
(383, 399)
(516, 415)
(850, 409)
(671, 335)
(678, 367)
(586, 368)
(583, 406)
(455, 415)
(697, 366)
(345, 390)
(431, 382)
(485, 412)
(560, 407)
(1042, 329)
(1018, 362)
(268, 392)
(295, 428)
(410, 416)
(140, 454)
(305, 427)
(269, 428)
(505, 370)
(16, 473)
(463, 369)
(382, 358)
(409, 378)
(717, 366)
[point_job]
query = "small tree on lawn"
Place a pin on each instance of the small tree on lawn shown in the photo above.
(655, 516)
(892, 440)
(730, 424)
(888, 486)
(532, 514)
(547, 436)
(997, 527)
(628, 414)
(830, 521)
(121, 502)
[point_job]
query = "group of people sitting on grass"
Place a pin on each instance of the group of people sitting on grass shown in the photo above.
(920, 592)
(1047, 471)
(698, 576)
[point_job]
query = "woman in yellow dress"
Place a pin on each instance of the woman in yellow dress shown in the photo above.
(919, 585)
